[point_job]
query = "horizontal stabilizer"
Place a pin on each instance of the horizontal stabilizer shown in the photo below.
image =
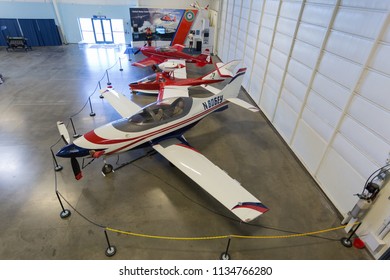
(177, 66)
(243, 104)
(226, 70)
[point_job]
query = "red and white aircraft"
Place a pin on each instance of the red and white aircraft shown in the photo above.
(161, 125)
(157, 55)
(174, 74)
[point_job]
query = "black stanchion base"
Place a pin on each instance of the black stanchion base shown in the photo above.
(225, 256)
(65, 214)
(346, 242)
(110, 251)
(107, 168)
(76, 135)
(101, 96)
(121, 69)
(92, 114)
(58, 168)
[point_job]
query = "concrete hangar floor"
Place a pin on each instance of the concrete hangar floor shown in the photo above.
(149, 197)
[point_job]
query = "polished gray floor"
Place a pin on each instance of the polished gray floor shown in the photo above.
(149, 197)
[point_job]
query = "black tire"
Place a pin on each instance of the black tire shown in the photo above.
(107, 168)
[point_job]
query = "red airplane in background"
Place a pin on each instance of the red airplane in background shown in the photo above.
(174, 74)
(158, 55)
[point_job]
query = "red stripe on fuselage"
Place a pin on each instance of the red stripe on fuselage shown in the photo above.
(95, 139)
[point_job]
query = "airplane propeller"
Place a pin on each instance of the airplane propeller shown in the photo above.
(63, 132)
(73, 161)
(76, 168)
(137, 51)
(134, 50)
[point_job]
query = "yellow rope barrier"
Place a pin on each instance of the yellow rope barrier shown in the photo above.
(224, 236)
(289, 235)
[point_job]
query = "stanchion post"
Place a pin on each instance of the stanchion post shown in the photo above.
(100, 88)
(120, 64)
(225, 255)
(75, 135)
(57, 167)
(128, 52)
(92, 114)
(108, 79)
(65, 213)
(111, 250)
(346, 241)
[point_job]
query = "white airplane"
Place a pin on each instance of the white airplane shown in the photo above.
(161, 125)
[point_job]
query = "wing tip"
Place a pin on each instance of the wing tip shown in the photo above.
(257, 206)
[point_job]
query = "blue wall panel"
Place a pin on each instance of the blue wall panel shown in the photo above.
(8, 27)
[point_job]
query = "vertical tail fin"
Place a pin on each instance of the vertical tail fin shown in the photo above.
(232, 89)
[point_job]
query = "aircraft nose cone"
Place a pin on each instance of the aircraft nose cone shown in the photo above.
(72, 150)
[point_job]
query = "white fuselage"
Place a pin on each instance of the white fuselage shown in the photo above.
(122, 135)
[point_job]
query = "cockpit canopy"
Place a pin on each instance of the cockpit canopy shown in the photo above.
(156, 114)
(148, 79)
(165, 49)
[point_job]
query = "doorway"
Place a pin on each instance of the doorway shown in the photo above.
(102, 31)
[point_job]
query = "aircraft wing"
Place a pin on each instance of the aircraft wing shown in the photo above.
(212, 179)
(149, 61)
(124, 106)
(172, 91)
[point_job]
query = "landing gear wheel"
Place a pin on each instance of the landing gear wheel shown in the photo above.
(346, 242)
(65, 214)
(225, 257)
(107, 168)
(110, 251)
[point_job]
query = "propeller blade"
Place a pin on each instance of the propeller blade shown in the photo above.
(76, 168)
(63, 132)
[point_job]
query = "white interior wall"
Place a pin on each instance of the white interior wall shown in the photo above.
(319, 71)
(70, 11)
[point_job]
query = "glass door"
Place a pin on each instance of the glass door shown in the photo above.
(95, 30)
(107, 31)
(102, 30)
